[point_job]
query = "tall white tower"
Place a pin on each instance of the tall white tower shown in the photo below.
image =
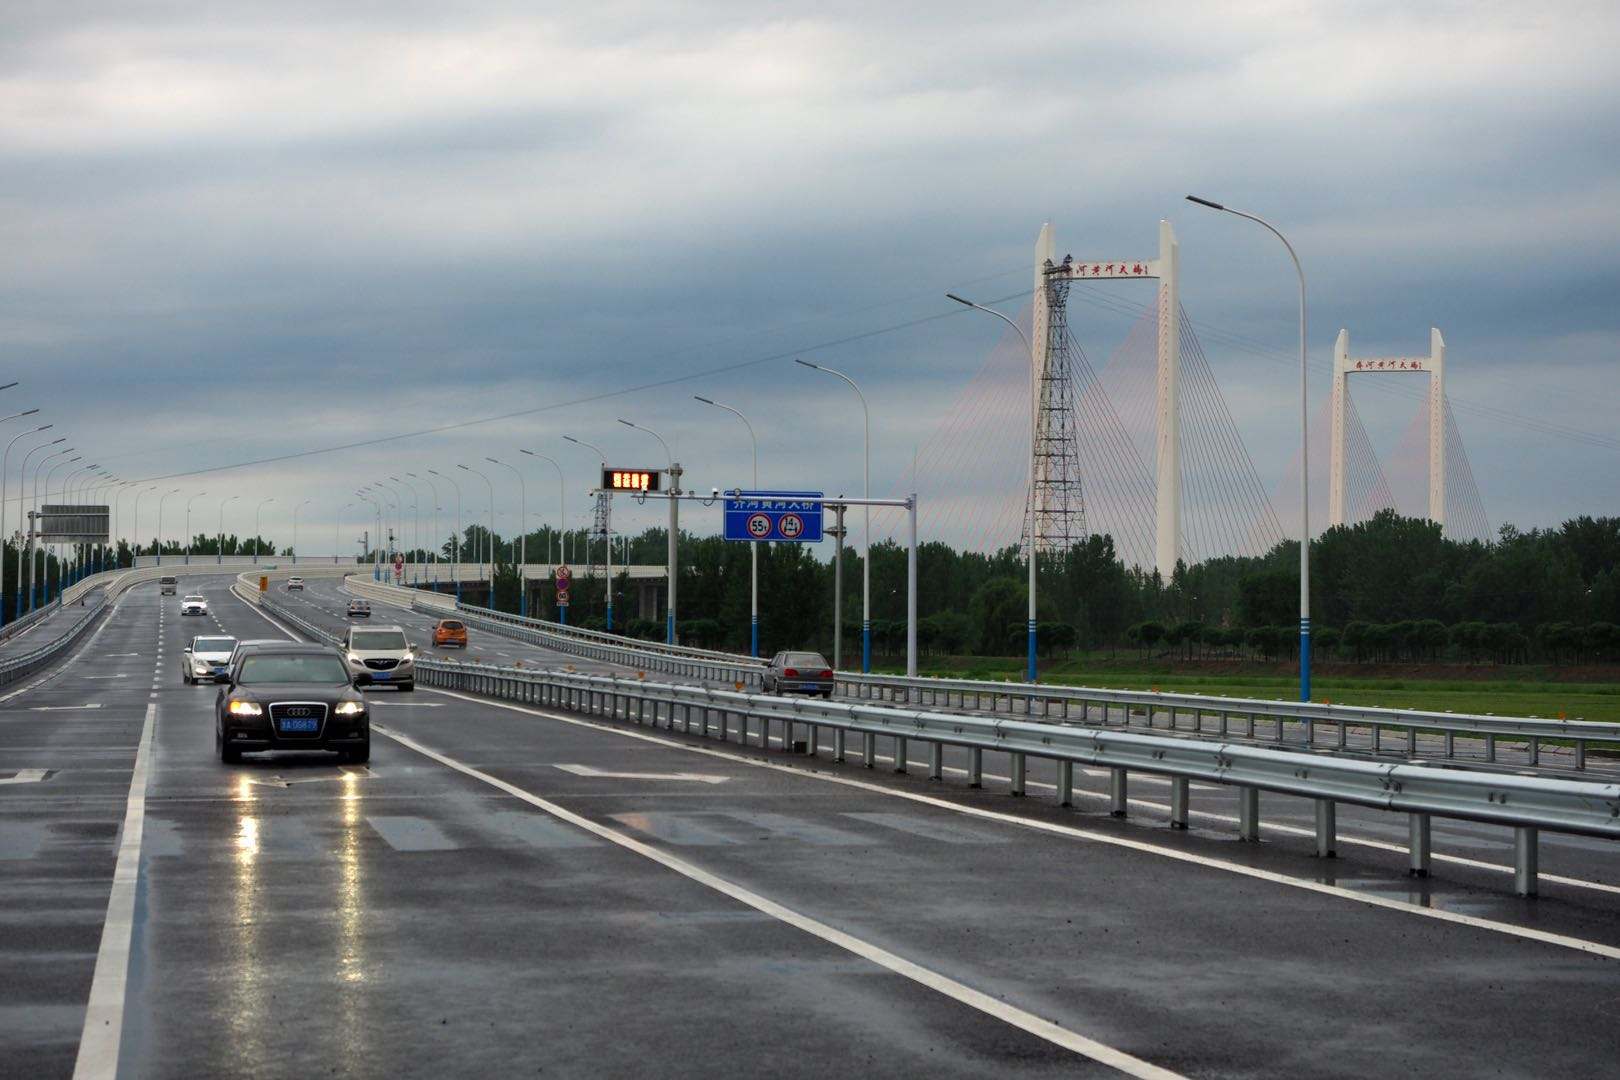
(1344, 365)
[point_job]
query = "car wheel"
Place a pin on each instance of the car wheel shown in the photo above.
(360, 756)
(228, 754)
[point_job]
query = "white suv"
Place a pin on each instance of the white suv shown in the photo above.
(194, 605)
(295, 583)
(380, 655)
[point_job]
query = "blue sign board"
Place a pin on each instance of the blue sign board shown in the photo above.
(791, 517)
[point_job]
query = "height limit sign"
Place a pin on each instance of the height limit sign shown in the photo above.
(792, 517)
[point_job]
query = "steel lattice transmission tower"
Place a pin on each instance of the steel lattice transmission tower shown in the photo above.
(1060, 503)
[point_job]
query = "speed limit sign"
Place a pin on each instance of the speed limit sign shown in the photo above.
(759, 526)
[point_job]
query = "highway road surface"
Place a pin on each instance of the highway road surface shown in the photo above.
(513, 891)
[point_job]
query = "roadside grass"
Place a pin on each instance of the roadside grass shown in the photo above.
(1505, 692)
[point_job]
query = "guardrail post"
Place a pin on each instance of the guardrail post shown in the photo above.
(975, 767)
(813, 739)
(1451, 744)
(1017, 774)
(1116, 792)
(1535, 750)
(1490, 748)
(1326, 829)
(1411, 742)
(1065, 783)
(936, 761)
(900, 754)
(838, 745)
(1526, 860)
(1179, 790)
(1417, 863)
(1580, 753)
(868, 749)
(1310, 731)
(1248, 813)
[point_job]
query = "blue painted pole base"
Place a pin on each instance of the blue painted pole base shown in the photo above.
(866, 646)
(1304, 659)
(669, 628)
(1030, 672)
(753, 636)
(609, 619)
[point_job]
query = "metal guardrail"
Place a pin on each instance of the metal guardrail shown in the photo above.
(563, 630)
(746, 673)
(1307, 725)
(1525, 804)
(24, 664)
(17, 626)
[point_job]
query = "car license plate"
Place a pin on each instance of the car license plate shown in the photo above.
(292, 727)
(382, 674)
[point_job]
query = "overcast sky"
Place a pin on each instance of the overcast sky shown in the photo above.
(239, 231)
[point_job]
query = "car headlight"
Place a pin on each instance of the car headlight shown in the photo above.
(356, 661)
(238, 707)
(199, 666)
(349, 708)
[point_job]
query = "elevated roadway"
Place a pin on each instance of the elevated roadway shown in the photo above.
(507, 889)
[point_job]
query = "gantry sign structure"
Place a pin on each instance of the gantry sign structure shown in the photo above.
(1056, 483)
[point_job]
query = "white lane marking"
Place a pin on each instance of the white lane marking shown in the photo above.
(26, 776)
(104, 1015)
(694, 777)
(62, 708)
(933, 980)
(103, 676)
(407, 704)
(1562, 940)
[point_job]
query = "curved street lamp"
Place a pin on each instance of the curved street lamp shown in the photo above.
(455, 540)
(223, 503)
(523, 537)
(753, 546)
(607, 536)
(257, 510)
(491, 544)
(189, 501)
(866, 511)
(297, 508)
(672, 559)
(1304, 454)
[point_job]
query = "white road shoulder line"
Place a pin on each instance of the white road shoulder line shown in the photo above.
(1562, 940)
(104, 1015)
(933, 980)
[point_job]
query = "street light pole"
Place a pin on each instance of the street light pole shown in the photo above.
(189, 501)
(22, 484)
(1030, 671)
(5, 470)
(866, 512)
(673, 568)
(491, 488)
(607, 536)
(1304, 454)
(433, 553)
(415, 556)
(562, 524)
(297, 508)
(257, 510)
(523, 538)
(371, 547)
(337, 532)
(455, 567)
(220, 556)
(161, 498)
(45, 568)
(753, 545)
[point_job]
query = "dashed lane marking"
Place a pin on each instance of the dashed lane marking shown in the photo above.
(908, 969)
(26, 776)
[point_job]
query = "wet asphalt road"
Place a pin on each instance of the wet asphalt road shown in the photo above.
(486, 896)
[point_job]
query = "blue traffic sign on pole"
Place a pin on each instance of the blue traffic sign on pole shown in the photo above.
(783, 517)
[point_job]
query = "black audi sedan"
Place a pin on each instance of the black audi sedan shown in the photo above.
(290, 696)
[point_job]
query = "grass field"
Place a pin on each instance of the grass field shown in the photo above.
(1503, 692)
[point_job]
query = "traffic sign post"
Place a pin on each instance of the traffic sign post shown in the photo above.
(564, 579)
(783, 517)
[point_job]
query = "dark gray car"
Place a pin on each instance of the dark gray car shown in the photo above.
(798, 673)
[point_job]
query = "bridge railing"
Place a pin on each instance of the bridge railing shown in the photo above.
(1524, 803)
(564, 630)
(1307, 725)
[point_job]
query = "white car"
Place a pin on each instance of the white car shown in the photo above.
(194, 605)
(380, 656)
(295, 583)
(207, 659)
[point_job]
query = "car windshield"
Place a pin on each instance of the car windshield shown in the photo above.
(213, 644)
(377, 640)
(166, 581)
(305, 668)
(192, 597)
(805, 660)
(450, 624)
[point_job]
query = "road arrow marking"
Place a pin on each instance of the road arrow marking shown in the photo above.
(26, 776)
(699, 778)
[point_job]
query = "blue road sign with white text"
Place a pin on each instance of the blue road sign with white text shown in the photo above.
(787, 517)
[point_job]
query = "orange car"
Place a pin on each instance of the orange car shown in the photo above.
(448, 632)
